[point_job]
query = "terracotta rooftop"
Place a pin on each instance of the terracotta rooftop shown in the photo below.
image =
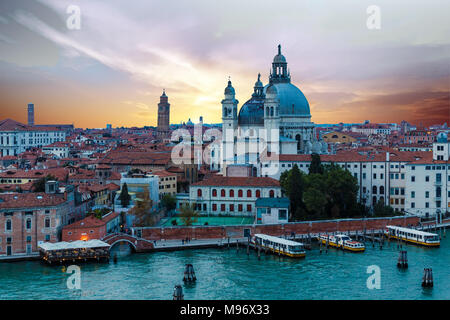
(238, 181)
(29, 200)
(92, 222)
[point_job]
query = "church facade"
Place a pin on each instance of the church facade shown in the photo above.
(276, 119)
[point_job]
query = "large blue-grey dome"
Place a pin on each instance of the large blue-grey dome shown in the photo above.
(292, 100)
(252, 112)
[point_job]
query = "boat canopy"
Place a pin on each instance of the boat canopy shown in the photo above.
(278, 240)
(79, 244)
(408, 230)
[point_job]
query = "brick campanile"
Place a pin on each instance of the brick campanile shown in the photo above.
(163, 116)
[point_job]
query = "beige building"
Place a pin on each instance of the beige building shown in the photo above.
(167, 182)
(338, 137)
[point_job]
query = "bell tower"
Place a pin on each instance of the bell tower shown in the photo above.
(229, 123)
(163, 116)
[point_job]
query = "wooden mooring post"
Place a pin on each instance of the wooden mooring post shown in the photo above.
(427, 279)
(178, 293)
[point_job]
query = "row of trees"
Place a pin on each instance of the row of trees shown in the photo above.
(326, 192)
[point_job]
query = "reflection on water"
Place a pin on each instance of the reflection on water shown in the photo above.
(230, 274)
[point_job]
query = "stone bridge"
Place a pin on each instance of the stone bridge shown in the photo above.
(137, 244)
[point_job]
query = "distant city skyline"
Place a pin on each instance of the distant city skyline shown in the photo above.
(114, 69)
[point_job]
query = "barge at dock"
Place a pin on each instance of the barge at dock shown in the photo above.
(342, 241)
(423, 238)
(279, 246)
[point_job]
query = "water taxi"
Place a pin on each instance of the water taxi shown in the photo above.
(280, 246)
(342, 241)
(414, 236)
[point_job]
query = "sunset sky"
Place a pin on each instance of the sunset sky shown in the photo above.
(114, 68)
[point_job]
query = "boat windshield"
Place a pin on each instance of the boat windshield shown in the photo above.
(296, 248)
(345, 238)
(431, 238)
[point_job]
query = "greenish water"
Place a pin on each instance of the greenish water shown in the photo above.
(213, 221)
(227, 274)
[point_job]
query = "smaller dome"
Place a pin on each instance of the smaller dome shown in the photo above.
(316, 147)
(229, 89)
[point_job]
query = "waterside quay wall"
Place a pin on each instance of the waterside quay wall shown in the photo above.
(286, 229)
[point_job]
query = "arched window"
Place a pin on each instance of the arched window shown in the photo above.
(240, 193)
(381, 190)
(231, 193)
(382, 199)
(271, 111)
(199, 192)
(271, 194)
(47, 222)
(8, 225)
(258, 193)
(374, 200)
(214, 193)
(222, 193)
(374, 189)
(28, 224)
(249, 193)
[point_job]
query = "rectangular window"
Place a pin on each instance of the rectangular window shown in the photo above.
(413, 194)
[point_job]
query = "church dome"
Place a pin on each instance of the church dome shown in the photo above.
(271, 90)
(252, 112)
(292, 100)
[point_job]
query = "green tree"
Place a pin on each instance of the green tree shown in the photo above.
(39, 185)
(124, 196)
(294, 188)
(315, 196)
(142, 209)
(188, 215)
(382, 210)
(169, 202)
(342, 188)
(316, 164)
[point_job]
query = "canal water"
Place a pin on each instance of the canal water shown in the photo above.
(228, 274)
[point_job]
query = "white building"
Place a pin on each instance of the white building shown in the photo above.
(234, 196)
(428, 181)
(58, 149)
(381, 176)
(16, 137)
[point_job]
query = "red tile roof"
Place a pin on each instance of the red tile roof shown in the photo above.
(29, 200)
(238, 181)
(92, 222)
